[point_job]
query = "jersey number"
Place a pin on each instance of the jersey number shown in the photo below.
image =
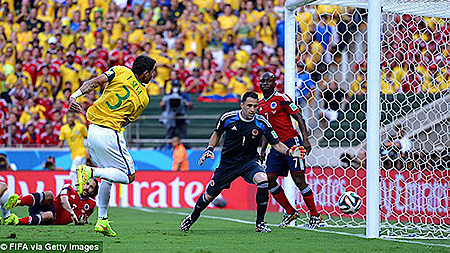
(120, 98)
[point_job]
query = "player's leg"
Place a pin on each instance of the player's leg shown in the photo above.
(32, 200)
(307, 194)
(101, 157)
(262, 199)
(37, 202)
(4, 196)
(222, 179)
(112, 156)
(41, 218)
(277, 165)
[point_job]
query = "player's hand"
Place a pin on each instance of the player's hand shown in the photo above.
(307, 146)
(74, 218)
(208, 154)
(297, 151)
(262, 156)
(74, 105)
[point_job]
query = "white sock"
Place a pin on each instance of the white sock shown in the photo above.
(73, 176)
(111, 174)
(3, 199)
(103, 198)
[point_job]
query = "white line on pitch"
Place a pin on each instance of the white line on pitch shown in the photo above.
(299, 227)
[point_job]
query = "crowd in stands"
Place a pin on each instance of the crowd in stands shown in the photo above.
(211, 47)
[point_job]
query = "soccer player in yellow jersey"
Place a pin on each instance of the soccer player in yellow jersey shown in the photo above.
(74, 133)
(123, 100)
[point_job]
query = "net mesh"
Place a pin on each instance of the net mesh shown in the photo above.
(331, 57)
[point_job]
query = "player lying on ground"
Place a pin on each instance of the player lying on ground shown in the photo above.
(7, 217)
(278, 109)
(239, 158)
(124, 99)
(67, 207)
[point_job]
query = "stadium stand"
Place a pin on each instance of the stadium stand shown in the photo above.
(50, 47)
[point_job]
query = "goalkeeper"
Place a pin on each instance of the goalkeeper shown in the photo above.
(244, 130)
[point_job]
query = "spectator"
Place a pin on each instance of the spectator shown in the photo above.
(265, 33)
(50, 164)
(174, 107)
(218, 83)
(389, 85)
(30, 137)
(4, 165)
(240, 83)
(70, 71)
(196, 83)
(333, 100)
(243, 29)
(180, 157)
(24, 76)
(228, 20)
(49, 138)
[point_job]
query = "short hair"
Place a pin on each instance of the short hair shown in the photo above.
(249, 94)
(142, 64)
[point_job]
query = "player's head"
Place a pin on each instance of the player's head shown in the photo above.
(143, 67)
(249, 104)
(90, 189)
(71, 118)
(267, 83)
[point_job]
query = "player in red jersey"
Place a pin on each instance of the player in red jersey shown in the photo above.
(66, 208)
(278, 108)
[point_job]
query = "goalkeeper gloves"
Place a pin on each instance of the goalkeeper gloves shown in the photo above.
(296, 151)
(208, 154)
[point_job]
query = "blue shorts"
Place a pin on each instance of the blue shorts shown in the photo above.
(225, 174)
(41, 209)
(281, 164)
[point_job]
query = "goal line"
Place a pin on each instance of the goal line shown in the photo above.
(320, 230)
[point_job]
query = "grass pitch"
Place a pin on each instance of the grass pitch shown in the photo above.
(156, 230)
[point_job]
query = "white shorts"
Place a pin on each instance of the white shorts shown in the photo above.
(331, 115)
(78, 160)
(109, 149)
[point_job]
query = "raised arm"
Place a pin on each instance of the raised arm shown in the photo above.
(87, 87)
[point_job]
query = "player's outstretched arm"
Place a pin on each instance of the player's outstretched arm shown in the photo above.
(295, 151)
(66, 206)
(209, 152)
(87, 87)
(302, 126)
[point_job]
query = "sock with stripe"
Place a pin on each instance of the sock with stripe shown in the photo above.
(34, 219)
(202, 204)
(308, 197)
(278, 194)
(262, 199)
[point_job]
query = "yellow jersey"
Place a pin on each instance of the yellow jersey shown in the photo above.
(240, 85)
(74, 137)
(124, 99)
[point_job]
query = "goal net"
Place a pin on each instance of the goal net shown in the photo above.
(331, 65)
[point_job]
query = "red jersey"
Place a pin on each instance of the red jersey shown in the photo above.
(48, 140)
(202, 84)
(81, 207)
(278, 110)
(118, 56)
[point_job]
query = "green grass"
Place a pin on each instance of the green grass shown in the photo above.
(157, 231)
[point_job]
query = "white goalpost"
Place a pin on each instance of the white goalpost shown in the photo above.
(389, 138)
